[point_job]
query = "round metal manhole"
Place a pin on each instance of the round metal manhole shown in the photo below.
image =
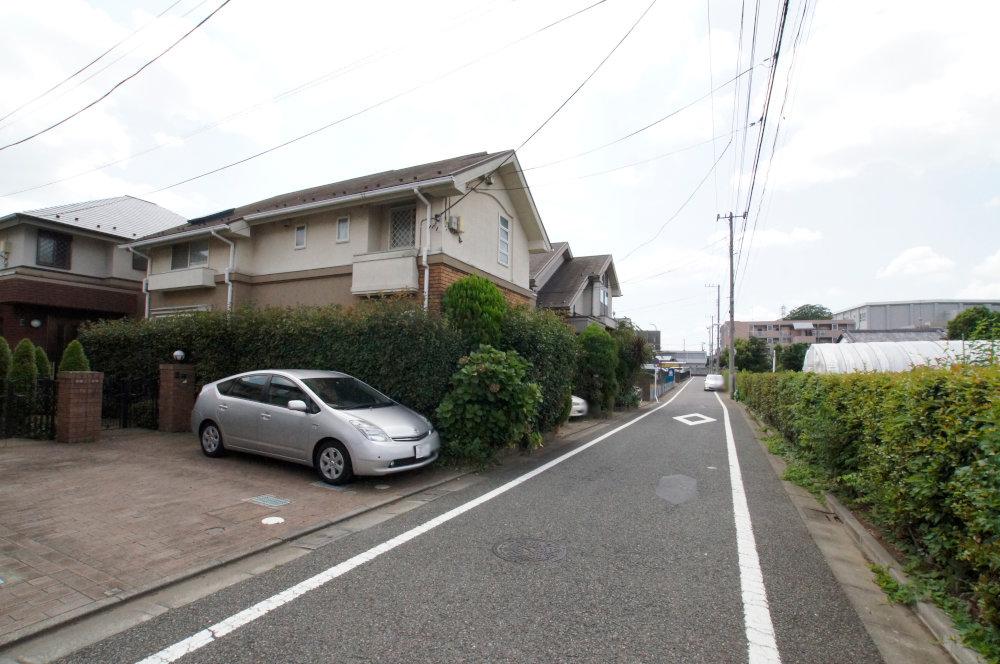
(529, 550)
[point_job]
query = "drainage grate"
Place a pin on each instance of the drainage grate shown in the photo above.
(267, 500)
(529, 550)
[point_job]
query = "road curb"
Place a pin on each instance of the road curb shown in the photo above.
(70, 617)
(936, 620)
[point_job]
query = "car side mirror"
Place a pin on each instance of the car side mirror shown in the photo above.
(298, 404)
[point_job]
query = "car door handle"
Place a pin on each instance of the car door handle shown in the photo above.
(265, 416)
(223, 407)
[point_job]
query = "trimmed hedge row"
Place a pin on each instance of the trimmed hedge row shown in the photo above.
(920, 449)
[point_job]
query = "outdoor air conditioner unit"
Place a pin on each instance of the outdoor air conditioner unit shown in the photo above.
(454, 224)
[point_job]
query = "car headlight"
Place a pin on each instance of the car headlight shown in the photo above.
(370, 431)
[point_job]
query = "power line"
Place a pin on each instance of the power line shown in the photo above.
(92, 62)
(119, 83)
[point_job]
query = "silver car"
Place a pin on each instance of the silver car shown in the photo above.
(331, 421)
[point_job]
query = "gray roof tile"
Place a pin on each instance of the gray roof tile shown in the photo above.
(123, 217)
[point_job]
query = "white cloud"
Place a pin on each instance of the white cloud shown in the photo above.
(986, 279)
(993, 202)
(773, 237)
(917, 261)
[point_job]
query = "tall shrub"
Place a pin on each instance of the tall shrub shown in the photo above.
(42, 363)
(23, 370)
(596, 368)
(633, 352)
(549, 346)
(4, 359)
(476, 308)
(73, 358)
(491, 405)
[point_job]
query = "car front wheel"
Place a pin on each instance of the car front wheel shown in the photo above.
(333, 463)
(211, 440)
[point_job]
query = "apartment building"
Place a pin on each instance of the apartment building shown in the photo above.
(787, 332)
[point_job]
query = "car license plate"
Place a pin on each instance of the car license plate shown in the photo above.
(422, 450)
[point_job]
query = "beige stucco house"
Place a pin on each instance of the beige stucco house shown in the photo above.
(409, 231)
(579, 288)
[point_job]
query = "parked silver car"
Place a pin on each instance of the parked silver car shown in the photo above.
(714, 382)
(578, 407)
(331, 421)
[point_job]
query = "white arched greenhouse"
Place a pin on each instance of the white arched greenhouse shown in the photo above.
(885, 356)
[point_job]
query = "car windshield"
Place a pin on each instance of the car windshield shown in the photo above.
(347, 393)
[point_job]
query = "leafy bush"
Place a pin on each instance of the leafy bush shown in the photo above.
(4, 359)
(791, 357)
(974, 323)
(596, 368)
(23, 370)
(395, 346)
(921, 450)
(549, 345)
(476, 308)
(633, 352)
(73, 358)
(491, 405)
(42, 363)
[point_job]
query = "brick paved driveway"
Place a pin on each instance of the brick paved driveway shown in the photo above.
(84, 523)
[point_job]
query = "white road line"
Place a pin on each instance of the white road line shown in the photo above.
(174, 652)
(761, 645)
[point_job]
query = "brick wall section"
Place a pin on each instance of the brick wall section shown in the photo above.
(177, 394)
(72, 296)
(442, 276)
(78, 406)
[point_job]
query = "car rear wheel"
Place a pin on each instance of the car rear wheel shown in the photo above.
(333, 463)
(211, 440)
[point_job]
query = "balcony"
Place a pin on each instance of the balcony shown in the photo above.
(193, 277)
(384, 272)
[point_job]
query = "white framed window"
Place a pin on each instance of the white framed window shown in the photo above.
(344, 229)
(300, 237)
(189, 254)
(402, 227)
(503, 248)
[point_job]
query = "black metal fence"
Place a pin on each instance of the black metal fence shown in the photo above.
(130, 402)
(28, 413)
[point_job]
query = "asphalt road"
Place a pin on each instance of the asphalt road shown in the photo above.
(625, 552)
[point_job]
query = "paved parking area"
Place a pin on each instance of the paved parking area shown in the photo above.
(84, 524)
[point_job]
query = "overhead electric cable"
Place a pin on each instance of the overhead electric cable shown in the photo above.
(119, 83)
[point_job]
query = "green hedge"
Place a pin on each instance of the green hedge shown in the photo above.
(396, 347)
(921, 450)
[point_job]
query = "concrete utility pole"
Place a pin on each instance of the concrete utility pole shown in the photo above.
(732, 300)
(718, 319)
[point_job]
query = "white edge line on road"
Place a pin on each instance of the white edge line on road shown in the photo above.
(761, 645)
(204, 637)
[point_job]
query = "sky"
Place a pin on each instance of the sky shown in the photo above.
(883, 184)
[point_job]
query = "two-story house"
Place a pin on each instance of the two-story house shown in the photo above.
(61, 266)
(409, 231)
(579, 288)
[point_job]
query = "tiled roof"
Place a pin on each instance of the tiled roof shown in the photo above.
(123, 217)
(560, 291)
(538, 261)
(366, 183)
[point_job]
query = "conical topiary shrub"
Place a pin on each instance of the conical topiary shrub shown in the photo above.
(42, 363)
(4, 359)
(73, 358)
(23, 370)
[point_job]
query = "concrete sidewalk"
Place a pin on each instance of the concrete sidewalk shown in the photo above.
(86, 526)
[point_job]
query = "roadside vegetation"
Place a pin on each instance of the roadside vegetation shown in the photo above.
(919, 454)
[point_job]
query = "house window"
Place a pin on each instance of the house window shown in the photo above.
(189, 254)
(300, 237)
(344, 229)
(53, 249)
(139, 262)
(402, 227)
(503, 250)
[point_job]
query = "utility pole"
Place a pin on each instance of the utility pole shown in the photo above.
(711, 345)
(732, 299)
(718, 319)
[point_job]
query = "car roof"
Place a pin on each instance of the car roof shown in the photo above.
(296, 373)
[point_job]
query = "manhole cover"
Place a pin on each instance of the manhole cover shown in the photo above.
(529, 550)
(215, 530)
(272, 520)
(267, 500)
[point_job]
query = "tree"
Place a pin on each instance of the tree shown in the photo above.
(964, 325)
(476, 308)
(809, 312)
(596, 379)
(4, 359)
(73, 358)
(751, 355)
(791, 357)
(633, 352)
(42, 362)
(23, 370)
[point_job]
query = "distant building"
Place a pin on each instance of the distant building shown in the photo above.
(867, 336)
(910, 314)
(691, 358)
(579, 288)
(786, 332)
(652, 337)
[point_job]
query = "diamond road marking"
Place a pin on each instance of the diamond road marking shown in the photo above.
(694, 419)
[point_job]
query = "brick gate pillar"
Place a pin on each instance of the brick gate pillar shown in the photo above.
(78, 406)
(177, 394)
